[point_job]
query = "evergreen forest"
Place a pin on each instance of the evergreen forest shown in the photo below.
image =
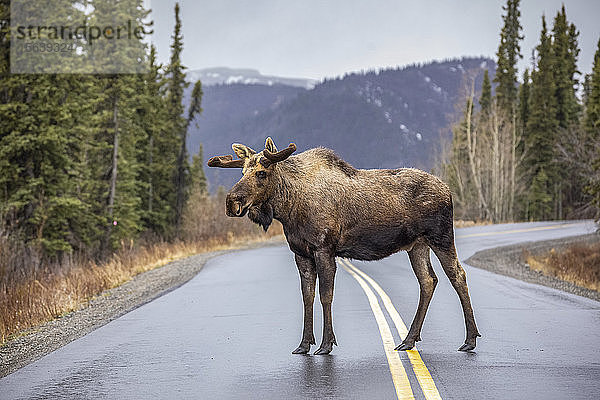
(528, 147)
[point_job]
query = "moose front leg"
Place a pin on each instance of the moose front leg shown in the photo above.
(308, 278)
(325, 263)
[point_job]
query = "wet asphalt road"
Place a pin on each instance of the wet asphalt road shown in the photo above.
(229, 332)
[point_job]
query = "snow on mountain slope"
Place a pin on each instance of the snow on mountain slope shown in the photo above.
(224, 75)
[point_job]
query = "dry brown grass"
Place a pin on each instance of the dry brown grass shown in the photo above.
(579, 264)
(31, 294)
(460, 223)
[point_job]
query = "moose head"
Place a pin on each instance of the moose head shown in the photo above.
(258, 183)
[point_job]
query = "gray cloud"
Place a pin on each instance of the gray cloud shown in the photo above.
(317, 38)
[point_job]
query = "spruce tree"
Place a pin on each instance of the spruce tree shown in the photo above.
(115, 148)
(541, 129)
(113, 156)
(591, 125)
(509, 51)
(38, 153)
(564, 55)
(539, 200)
(585, 95)
(175, 86)
(195, 107)
(197, 176)
(199, 183)
(524, 101)
(71, 145)
(591, 120)
(157, 157)
(569, 188)
(184, 178)
(42, 118)
(485, 100)
(521, 132)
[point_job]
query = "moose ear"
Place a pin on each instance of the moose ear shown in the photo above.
(242, 151)
(269, 145)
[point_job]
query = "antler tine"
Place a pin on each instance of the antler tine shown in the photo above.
(225, 162)
(280, 155)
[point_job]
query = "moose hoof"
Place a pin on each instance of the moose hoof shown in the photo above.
(321, 351)
(405, 346)
(302, 349)
(467, 347)
(470, 343)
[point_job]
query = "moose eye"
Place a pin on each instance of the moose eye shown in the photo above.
(261, 174)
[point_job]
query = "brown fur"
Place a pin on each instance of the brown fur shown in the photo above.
(330, 209)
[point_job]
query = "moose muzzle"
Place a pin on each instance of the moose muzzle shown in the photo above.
(236, 205)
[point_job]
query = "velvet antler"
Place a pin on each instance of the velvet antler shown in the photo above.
(272, 158)
(225, 162)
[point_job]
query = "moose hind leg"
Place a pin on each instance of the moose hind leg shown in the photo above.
(458, 279)
(308, 278)
(421, 264)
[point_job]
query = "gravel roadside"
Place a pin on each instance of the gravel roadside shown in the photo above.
(109, 305)
(509, 261)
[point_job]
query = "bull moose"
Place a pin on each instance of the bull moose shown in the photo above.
(330, 209)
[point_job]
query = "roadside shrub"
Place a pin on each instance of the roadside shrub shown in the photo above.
(578, 263)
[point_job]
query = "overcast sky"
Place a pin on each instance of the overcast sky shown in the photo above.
(321, 38)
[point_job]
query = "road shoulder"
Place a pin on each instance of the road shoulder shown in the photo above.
(508, 261)
(108, 306)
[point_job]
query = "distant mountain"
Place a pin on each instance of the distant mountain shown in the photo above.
(380, 119)
(224, 75)
(226, 108)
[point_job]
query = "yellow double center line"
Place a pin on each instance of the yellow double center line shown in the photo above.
(399, 377)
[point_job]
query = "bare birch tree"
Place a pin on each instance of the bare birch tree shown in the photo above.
(485, 162)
